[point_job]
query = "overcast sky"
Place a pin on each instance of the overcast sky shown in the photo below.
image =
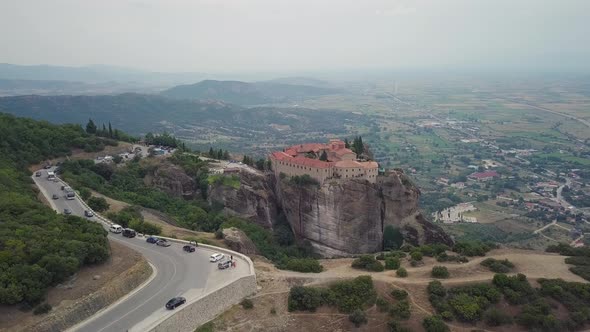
(292, 35)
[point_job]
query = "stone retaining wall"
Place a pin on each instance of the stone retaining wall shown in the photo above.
(197, 313)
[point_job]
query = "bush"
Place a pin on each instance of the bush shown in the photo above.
(434, 324)
(473, 248)
(436, 288)
(42, 309)
(247, 304)
(358, 317)
(85, 194)
(209, 327)
(219, 234)
(145, 227)
(495, 317)
(416, 255)
(305, 265)
(382, 304)
(439, 272)
(392, 263)
(399, 294)
(401, 272)
(401, 310)
(98, 204)
(498, 266)
(303, 180)
(394, 326)
(305, 298)
(367, 262)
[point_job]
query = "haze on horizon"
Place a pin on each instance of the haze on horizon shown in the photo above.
(302, 35)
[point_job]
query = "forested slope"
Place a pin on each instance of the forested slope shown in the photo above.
(39, 248)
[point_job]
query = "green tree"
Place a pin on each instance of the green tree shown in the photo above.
(98, 204)
(90, 127)
(434, 324)
(226, 155)
(324, 156)
(110, 130)
(439, 272)
(401, 272)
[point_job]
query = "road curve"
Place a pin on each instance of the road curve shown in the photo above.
(177, 274)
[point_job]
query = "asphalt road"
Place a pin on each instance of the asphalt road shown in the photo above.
(178, 273)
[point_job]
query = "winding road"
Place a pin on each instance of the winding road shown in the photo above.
(176, 273)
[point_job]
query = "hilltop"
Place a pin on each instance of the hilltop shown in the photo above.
(243, 93)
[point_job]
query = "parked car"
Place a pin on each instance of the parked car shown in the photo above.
(67, 211)
(128, 232)
(223, 265)
(175, 302)
(37, 174)
(55, 196)
(216, 257)
(152, 239)
(188, 248)
(88, 213)
(163, 243)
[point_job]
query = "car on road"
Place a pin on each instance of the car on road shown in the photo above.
(152, 239)
(67, 211)
(116, 229)
(163, 243)
(128, 232)
(37, 174)
(175, 302)
(55, 196)
(223, 265)
(216, 257)
(48, 166)
(188, 248)
(88, 213)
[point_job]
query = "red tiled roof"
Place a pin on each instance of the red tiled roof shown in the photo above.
(484, 175)
(311, 162)
(280, 155)
(342, 151)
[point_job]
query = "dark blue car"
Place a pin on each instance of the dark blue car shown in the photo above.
(152, 239)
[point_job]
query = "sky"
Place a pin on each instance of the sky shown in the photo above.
(297, 35)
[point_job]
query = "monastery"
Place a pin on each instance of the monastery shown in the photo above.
(341, 162)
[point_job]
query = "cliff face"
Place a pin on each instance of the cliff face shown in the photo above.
(347, 217)
(339, 218)
(173, 180)
(254, 200)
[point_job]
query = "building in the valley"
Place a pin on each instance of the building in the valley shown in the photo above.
(323, 161)
(484, 176)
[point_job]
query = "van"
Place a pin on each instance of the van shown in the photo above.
(128, 232)
(216, 257)
(116, 229)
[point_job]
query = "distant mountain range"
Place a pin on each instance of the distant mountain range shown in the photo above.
(243, 93)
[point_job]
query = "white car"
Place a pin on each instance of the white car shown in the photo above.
(216, 257)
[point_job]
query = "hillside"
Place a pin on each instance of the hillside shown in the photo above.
(243, 93)
(39, 248)
(231, 127)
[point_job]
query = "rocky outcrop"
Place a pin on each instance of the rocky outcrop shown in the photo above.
(238, 241)
(254, 199)
(173, 180)
(339, 218)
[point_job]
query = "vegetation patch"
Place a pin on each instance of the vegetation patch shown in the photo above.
(368, 263)
(497, 266)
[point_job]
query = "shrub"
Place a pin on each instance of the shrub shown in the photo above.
(394, 326)
(401, 310)
(367, 262)
(392, 263)
(85, 194)
(473, 248)
(439, 272)
(247, 304)
(495, 317)
(358, 317)
(380, 256)
(436, 288)
(382, 304)
(145, 227)
(399, 294)
(349, 295)
(305, 265)
(303, 180)
(98, 204)
(219, 234)
(42, 309)
(401, 272)
(209, 327)
(435, 324)
(304, 298)
(416, 255)
(498, 266)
